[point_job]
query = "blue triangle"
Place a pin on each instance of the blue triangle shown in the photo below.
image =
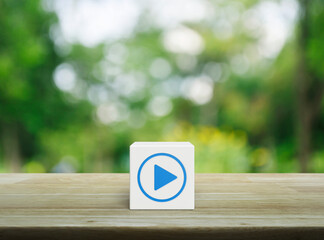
(162, 177)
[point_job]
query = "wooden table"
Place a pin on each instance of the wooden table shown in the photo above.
(96, 206)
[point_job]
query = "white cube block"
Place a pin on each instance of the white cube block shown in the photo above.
(162, 175)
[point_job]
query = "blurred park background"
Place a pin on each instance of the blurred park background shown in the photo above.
(243, 80)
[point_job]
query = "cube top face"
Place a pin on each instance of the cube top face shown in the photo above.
(162, 175)
(160, 144)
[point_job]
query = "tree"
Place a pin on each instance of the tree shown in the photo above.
(30, 102)
(309, 80)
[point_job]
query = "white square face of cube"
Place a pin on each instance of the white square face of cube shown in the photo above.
(162, 175)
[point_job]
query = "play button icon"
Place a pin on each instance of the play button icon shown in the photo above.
(162, 177)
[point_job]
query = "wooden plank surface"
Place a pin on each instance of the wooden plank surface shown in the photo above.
(96, 206)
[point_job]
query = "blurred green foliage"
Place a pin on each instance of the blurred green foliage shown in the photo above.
(75, 108)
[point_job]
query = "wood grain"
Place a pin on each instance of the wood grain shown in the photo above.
(95, 206)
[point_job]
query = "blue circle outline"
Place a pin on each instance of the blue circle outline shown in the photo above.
(184, 177)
